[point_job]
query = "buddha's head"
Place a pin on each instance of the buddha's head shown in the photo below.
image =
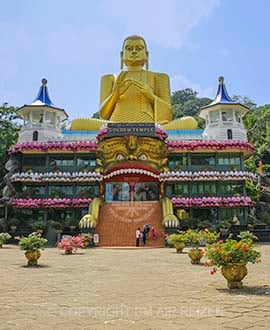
(134, 52)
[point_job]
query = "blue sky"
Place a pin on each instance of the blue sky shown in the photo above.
(72, 43)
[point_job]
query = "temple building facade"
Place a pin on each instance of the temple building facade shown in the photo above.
(113, 175)
(193, 176)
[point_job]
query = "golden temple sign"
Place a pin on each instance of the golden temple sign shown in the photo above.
(136, 129)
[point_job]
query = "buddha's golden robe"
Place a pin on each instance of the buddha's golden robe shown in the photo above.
(132, 105)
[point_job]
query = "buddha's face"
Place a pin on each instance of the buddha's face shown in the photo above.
(134, 52)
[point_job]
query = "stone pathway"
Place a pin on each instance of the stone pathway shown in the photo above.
(127, 289)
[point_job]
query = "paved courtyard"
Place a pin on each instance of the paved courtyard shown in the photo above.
(127, 289)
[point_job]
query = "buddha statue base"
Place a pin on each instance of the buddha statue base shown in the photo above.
(93, 124)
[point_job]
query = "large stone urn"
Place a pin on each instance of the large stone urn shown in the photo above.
(32, 256)
(234, 274)
(179, 246)
(195, 255)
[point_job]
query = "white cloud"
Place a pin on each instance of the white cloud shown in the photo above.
(180, 82)
(167, 23)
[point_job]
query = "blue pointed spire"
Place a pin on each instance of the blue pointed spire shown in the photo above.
(43, 95)
(222, 96)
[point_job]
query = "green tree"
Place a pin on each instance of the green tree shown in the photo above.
(245, 100)
(183, 95)
(9, 129)
(186, 103)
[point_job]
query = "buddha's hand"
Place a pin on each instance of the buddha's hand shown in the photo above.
(119, 82)
(143, 88)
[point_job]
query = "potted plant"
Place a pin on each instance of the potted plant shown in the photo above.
(39, 226)
(232, 256)
(32, 245)
(177, 240)
(4, 237)
(194, 238)
(70, 244)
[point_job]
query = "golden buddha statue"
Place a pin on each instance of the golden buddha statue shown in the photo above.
(136, 94)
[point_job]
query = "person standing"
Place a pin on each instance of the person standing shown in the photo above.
(138, 234)
(146, 228)
(144, 237)
(153, 233)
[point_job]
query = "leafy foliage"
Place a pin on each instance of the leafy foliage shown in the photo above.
(176, 238)
(186, 103)
(252, 191)
(9, 129)
(4, 237)
(198, 237)
(32, 242)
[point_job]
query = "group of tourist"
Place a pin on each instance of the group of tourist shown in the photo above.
(143, 235)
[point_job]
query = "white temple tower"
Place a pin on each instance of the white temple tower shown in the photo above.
(224, 117)
(41, 119)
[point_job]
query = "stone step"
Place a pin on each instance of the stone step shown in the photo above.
(118, 222)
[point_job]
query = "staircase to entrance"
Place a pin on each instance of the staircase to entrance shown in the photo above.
(118, 222)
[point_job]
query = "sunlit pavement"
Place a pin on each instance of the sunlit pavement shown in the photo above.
(128, 289)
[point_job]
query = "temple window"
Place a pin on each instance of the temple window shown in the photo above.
(229, 212)
(231, 188)
(227, 116)
(229, 160)
(118, 191)
(203, 160)
(176, 162)
(237, 116)
(32, 192)
(204, 188)
(60, 191)
(87, 191)
(177, 189)
(214, 116)
(61, 163)
(85, 163)
(37, 117)
(49, 118)
(34, 163)
(146, 191)
(35, 136)
(229, 134)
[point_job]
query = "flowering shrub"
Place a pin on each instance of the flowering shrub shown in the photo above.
(71, 244)
(231, 251)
